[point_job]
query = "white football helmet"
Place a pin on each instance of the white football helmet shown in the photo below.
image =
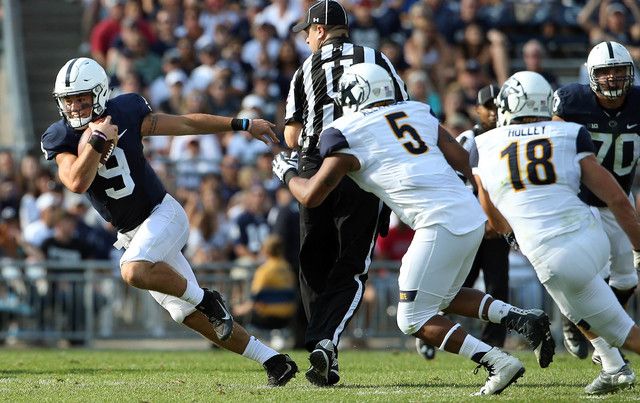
(362, 85)
(610, 54)
(524, 94)
(77, 76)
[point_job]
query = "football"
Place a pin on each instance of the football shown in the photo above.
(108, 149)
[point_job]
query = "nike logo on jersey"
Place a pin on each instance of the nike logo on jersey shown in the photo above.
(631, 126)
(121, 134)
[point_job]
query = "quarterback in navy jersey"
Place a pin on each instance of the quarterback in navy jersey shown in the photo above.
(607, 108)
(152, 226)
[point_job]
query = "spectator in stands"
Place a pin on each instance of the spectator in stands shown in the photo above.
(273, 290)
(420, 89)
(250, 228)
(164, 27)
(264, 40)
(7, 165)
(443, 14)
(105, 32)
(42, 183)
(190, 28)
(12, 244)
(427, 49)
(219, 99)
(229, 168)
(175, 103)
(187, 54)
(364, 29)
(533, 54)
(475, 45)
(612, 23)
(132, 49)
(203, 75)
(209, 233)
(49, 207)
(286, 64)
(393, 51)
(471, 78)
(233, 68)
(281, 14)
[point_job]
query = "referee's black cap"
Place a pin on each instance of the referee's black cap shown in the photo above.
(487, 95)
(324, 12)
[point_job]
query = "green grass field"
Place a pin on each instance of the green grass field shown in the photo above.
(197, 376)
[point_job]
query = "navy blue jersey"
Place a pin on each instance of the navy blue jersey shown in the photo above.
(250, 230)
(126, 188)
(615, 134)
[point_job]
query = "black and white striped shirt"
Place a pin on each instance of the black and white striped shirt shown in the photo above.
(310, 99)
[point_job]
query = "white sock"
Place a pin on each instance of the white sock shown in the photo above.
(257, 351)
(193, 294)
(498, 310)
(610, 356)
(473, 347)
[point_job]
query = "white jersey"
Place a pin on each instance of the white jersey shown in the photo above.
(532, 174)
(400, 162)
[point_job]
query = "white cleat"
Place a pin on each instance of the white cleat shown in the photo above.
(504, 369)
(624, 378)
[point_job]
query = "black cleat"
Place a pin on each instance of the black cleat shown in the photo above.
(573, 339)
(324, 365)
(533, 324)
(213, 307)
(280, 369)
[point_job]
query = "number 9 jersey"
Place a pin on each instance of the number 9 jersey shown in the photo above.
(532, 174)
(125, 189)
(615, 134)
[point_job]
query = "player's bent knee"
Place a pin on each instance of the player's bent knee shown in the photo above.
(133, 273)
(410, 319)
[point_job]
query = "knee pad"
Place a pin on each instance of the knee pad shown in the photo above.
(623, 295)
(613, 325)
(413, 315)
(177, 308)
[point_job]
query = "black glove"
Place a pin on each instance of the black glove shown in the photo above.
(511, 240)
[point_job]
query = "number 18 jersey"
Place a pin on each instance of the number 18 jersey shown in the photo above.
(532, 174)
(400, 162)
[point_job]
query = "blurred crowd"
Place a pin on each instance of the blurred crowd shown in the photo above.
(236, 58)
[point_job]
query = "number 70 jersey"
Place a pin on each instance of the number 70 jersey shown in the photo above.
(532, 174)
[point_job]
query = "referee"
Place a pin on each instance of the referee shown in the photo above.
(337, 237)
(493, 255)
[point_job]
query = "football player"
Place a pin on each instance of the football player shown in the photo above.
(530, 169)
(607, 107)
(399, 152)
(152, 226)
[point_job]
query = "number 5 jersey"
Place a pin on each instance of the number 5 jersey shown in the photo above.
(532, 174)
(126, 188)
(400, 162)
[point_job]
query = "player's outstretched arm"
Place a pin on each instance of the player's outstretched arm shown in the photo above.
(455, 154)
(603, 184)
(497, 221)
(201, 123)
(77, 172)
(312, 192)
